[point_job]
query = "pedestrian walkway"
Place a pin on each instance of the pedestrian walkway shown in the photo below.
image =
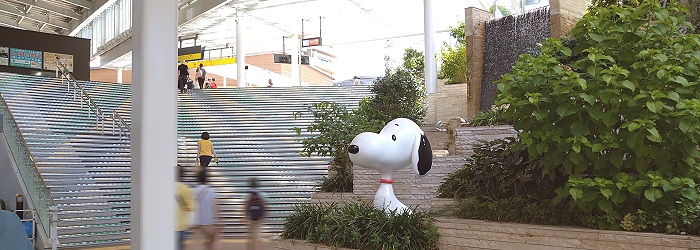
(226, 244)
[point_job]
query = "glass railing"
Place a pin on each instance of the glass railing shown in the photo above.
(38, 192)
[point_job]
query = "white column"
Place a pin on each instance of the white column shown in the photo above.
(430, 61)
(119, 75)
(224, 81)
(154, 124)
(240, 53)
(296, 46)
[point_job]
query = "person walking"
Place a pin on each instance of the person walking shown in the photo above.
(201, 75)
(255, 213)
(185, 205)
(205, 224)
(182, 80)
(205, 151)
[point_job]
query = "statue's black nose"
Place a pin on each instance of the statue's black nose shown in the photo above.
(353, 149)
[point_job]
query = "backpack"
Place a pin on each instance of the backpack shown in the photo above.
(256, 206)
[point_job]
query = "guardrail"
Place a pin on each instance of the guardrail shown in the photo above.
(116, 119)
(40, 195)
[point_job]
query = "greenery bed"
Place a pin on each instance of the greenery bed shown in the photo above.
(359, 225)
(609, 123)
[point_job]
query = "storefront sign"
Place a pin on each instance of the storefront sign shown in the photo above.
(25, 58)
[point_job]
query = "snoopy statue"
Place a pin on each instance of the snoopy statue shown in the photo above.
(400, 144)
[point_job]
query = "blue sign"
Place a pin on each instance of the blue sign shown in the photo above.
(28, 227)
(25, 58)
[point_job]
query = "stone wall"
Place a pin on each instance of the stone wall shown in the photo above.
(564, 15)
(468, 136)
(474, 25)
(412, 190)
(457, 234)
(448, 102)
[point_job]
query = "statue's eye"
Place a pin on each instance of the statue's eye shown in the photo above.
(393, 137)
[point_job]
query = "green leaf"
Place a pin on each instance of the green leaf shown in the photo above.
(605, 205)
(655, 106)
(619, 197)
(616, 159)
(673, 95)
(610, 118)
(576, 193)
(581, 82)
(690, 193)
(681, 80)
(606, 192)
(594, 113)
(566, 51)
(653, 194)
(579, 128)
(566, 109)
(628, 84)
(661, 57)
(598, 37)
(540, 113)
(597, 147)
(589, 98)
(653, 134)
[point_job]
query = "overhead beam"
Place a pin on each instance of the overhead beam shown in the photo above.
(198, 8)
(9, 22)
(81, 3)
(50, 8)
(5, 8)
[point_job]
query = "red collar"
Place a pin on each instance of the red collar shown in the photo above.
(386, 181)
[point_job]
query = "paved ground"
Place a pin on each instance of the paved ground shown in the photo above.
(226, 244)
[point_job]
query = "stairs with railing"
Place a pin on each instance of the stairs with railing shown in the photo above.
(88, 167)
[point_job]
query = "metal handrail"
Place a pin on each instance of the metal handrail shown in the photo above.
(38, 182)
(85, 97)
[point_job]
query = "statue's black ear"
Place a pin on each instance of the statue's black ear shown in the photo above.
(425, 155)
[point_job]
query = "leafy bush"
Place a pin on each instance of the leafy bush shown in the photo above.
(518, 209)
(400, 93)
(337, 127)
(414, 62)
(455, 59)
(361, 226)
(491, 117)
(497, 170)
(621, 122)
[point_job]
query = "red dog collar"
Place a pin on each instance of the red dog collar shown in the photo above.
(386, 181)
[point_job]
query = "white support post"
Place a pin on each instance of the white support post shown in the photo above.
(240, 53)
(53, 238)
(296, 69)
(430, 60)
(119, 75)
(154, 130)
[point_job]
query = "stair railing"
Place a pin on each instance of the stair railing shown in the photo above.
(39, 194)
(116, 119)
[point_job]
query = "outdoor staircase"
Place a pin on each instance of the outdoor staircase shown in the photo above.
(87, 166)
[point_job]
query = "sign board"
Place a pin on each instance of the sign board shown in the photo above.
(25, 58)
(28, 227)
(190, 53)
(316, 41)
(305, 60)
(4, 56)
(50, 60)
(282, 58)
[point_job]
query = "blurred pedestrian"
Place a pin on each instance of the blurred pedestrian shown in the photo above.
(205, 151)
(356, 81)
(201, 75)
(184, 72)
(269, 83)
(213, 84)
(205, 227)
(185, 205)
(255, 213)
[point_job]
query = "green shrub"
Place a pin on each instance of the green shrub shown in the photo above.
(491, 117)
(497, 170)
(361, 226)
(518, 209)
(454, 60)
(398, 94)
(621, 122)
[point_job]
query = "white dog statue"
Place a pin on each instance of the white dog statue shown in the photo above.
(400, 144)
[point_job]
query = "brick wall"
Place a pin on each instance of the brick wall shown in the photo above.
(564, 14)
(412, 190)
(468, 136)
(110, 75)
(475, 23)
(448, 102)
